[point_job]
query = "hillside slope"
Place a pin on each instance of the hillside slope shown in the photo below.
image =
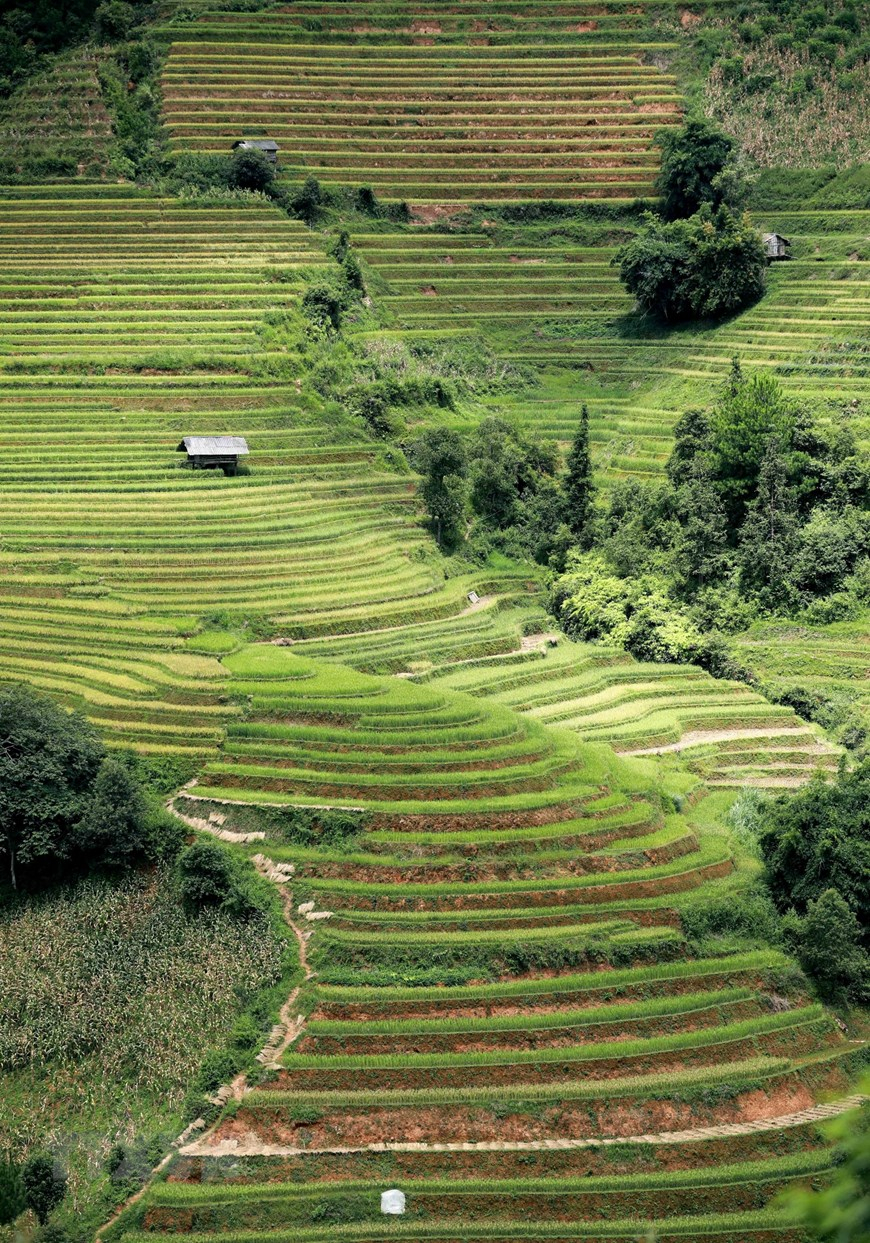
(543, 996)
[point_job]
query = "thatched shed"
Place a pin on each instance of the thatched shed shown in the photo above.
(210, 452)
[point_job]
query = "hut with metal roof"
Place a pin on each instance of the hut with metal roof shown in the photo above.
(267, 145)
(211, 452)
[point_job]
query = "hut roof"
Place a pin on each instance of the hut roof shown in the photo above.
(769, 237)
(262, 144)
(214, 446)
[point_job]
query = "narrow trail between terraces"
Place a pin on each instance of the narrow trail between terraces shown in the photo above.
(251, 1147)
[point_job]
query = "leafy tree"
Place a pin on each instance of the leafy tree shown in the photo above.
(366, 201)
(324, 304)
(840, 1211)
(506, 469)
(770, 535)
(309, 201)
(114, 20)
(751, 412)
(448, 506)
(707, 266)
(441, 458)
(28, 31)
(113, 827)
(44, 1184)
(12, 1201)
(542, 524)
(353, 272)
(340, 247)
(819, 839)
(579, 486)
(828, 943)
(729, 265)
(832, 543)
(656, 267)
(700, 546)
(250, 169)
(694, 162)
(49, 760)
(210, 877)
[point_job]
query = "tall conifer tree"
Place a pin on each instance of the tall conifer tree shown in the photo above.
(579, 487)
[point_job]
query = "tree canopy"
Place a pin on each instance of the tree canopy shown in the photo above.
(504, 486)
(707, 266)
(63, 800)
(763, 510)
(695, 162)
(250, 169)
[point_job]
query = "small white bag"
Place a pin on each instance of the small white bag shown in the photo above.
(392, 1201)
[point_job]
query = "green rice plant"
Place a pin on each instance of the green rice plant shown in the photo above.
(684, 1085)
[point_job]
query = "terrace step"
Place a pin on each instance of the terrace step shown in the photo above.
(799, 1118)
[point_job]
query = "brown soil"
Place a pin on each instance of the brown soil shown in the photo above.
(482, 1164)
(689, 20)
(509, 1074)
(432, 213)
(462, 1124)
(445, 822)
(506, 869)
(589, 895)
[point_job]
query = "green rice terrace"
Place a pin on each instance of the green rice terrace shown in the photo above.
(437, 106)
(523, 972)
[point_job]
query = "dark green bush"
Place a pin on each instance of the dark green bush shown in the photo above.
(12, 1201)
(694, 162)
(251, 170)
(828, 943)
(707, 266)
(114, 20)
(210, 876)
(44, 1184)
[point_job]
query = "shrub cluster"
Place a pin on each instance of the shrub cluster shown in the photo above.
(39, 1184)
(502, 489)
(816, 849)
(708, 266)
(763, 511)
(65, 803)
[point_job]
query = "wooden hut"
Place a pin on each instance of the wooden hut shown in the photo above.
(212, 452)
(776, 246)
(267, 145)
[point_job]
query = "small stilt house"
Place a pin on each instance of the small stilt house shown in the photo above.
(212, 452)
(776, 246)
(267, 145)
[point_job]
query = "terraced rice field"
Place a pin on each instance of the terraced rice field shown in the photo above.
(828, 661)
(810, 328)
(562, 1053)
(722, 731)
(435, 105)
(60, 112)
(515, 1010)
(125, 323)
(558, 306)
